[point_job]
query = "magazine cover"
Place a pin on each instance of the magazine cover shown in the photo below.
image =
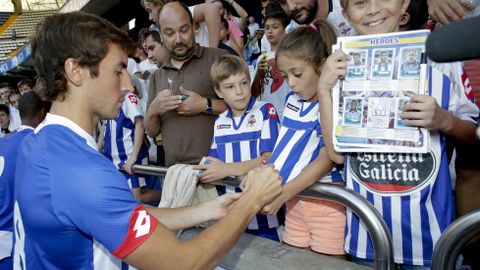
(383, 73)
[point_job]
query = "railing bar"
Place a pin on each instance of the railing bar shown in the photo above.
(381, 237)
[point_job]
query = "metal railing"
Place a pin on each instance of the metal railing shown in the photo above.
(453, 238)
(376, 227)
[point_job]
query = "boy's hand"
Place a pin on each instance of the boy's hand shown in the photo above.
(194, 103)
(424, 111)
(165, 102)
(214, 171)
(127, 166)
(334, 68)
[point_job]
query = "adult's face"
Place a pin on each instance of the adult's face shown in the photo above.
(176, 31)
(155, 51)
(107, 90)
(303, 11)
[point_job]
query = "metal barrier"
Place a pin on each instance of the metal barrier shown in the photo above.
(453, 238)
(378, 230)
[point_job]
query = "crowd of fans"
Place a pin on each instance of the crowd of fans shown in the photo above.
(213, 88)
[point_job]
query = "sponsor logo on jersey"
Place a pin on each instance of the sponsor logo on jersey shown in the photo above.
(224, 126)
(293, 107)
(392, 172)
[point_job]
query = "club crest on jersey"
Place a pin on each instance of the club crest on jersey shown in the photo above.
(392, 172)
(251, 121)
(133, 99)
(223, 126)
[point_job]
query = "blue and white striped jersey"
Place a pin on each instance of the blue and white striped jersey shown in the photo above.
(300, 140)
(237, 139)
(119, 138)
(73, 209)
(119, 132)
(412, 192)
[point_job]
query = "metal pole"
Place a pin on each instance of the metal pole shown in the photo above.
(376, 227)
(453, 238)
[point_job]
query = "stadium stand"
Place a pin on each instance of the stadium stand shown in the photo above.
(16, 35)
(4, 17)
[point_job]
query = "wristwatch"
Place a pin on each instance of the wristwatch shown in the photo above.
(208, 110)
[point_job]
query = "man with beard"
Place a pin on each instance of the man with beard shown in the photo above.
(308, 11)
(182, 104)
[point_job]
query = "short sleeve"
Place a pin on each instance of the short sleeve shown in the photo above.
(132, 107)
(270, 128)
(99, 203)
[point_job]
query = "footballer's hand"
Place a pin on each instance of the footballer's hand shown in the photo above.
(264, 184)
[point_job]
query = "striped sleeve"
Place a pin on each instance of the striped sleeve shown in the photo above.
(270, 128)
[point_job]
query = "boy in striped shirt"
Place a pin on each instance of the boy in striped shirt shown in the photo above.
(412, 192)
(244, 135)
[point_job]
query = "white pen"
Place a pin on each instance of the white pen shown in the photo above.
(170, 85)
(422, 83)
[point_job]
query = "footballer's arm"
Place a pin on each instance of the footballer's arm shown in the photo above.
(162, 250)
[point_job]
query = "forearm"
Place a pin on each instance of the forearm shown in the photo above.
(214, 243)
(137, 138)
(242, 13)
(242, 168)
(314, 171)
(213, 22)
(326, 119)
(460, 130)
(150, 195)
(184, 217)
(152, 124)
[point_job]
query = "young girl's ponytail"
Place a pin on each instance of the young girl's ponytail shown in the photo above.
(312, 43)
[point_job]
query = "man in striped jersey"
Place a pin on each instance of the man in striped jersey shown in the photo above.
(243, 136)
(412, 192)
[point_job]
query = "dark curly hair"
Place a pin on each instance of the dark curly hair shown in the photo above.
(82, 36)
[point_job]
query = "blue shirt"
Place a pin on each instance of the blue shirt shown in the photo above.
(8, 160)
(73, 209)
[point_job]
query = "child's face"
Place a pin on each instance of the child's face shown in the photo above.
(274, 31)
(375, 16)
(300, 76)
(235, 90)
(4, 120)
